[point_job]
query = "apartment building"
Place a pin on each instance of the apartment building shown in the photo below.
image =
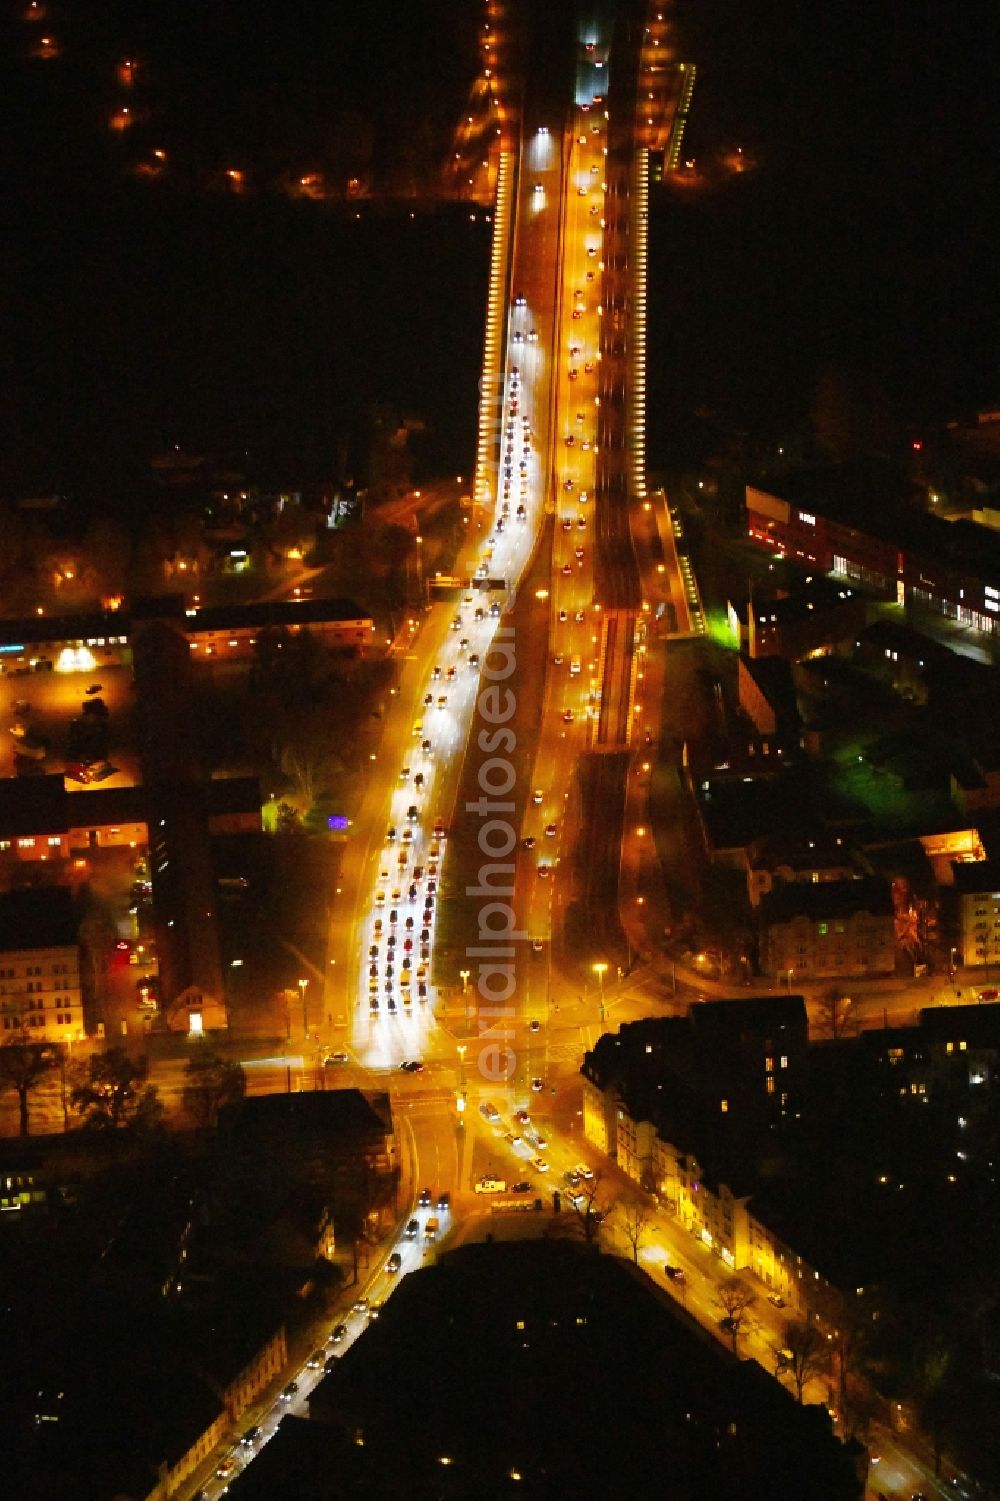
(40, 996)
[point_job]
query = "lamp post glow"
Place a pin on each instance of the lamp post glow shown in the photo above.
(302, 992)
(600, 970)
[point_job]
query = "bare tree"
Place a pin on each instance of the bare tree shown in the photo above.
(805, 1354)
(589, 1212)
(634, 1217)
(834, 1013)
(211, 1083)
(735, 1299)
(22, 1066)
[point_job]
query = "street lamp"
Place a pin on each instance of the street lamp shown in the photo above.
(460, 1098)
(600, 970)
(302, 993)
(464, 976)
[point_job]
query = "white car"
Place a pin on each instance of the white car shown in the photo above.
(539, 1164)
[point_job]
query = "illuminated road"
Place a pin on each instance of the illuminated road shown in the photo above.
(560, 455)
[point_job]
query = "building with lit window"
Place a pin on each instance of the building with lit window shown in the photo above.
(859, 523)
(977, 885)
(85, 643)
(40, 996)
(827, 930)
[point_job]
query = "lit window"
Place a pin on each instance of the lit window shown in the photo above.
(26, 844)
(824, 928)
(962, 1047)
(784, 1060)
(54, 841)
(770, 1086)
(724, 1106)
(769, 1065)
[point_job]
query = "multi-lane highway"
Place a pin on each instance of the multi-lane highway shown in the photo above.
(559, 491)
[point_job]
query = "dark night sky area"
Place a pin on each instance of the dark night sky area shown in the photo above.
(865, 238)
(134, 314)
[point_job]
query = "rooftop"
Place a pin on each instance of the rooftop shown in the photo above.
(976, 877)
(37, 918)
(567, 1332)
(820, 900)
(331, 1111)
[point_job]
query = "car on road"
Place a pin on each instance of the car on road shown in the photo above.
(412, 1066)
(568, 716)
(776, 1300)
(77, 772)
(288, 1392)
(572, 1178)
(537, 945)
(251, 1436)
(394, 1263)
(675, 1273)
(520, 1188)
(491, 1112)
(521, 1117)
(534, 1025)
(425, 1198)
(444, 1202)
(544, 870)
(528, 842)
(563, 617)
(412, 1229)
(330, 1364)
(225, 1467)
(316, 1359)
(333, 1058)
(567, 570)
(537, 1087)
(584, 1170)
(539, 1164)
(550, 831)
(537, 795)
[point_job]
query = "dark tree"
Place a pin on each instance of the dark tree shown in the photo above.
(834, 1015)
(110, 1094)
(22, 1066)
(808, 1351)
(212, 1082)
